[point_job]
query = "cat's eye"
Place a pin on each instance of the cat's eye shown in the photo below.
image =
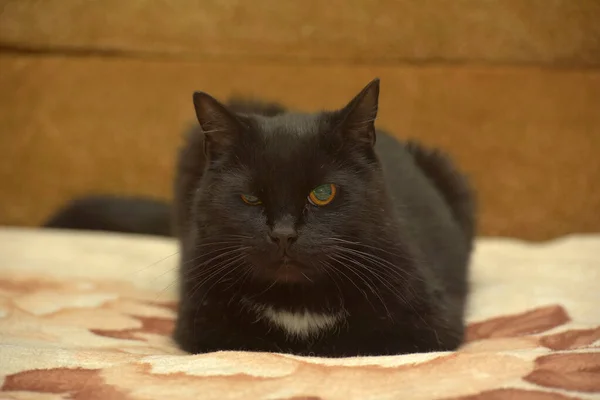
(251, 200)
(322, 195)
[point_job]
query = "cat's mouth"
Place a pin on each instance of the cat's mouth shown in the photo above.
(287, 271)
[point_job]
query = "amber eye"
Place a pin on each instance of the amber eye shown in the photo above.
(322, 195)
(251, 200)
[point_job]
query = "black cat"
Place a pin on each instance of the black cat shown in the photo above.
(299, 234)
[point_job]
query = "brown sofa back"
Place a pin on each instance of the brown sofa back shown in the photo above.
(95, 95)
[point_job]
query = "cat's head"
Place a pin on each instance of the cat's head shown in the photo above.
(291, 188)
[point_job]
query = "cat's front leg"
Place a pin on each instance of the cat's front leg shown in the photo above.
(210, 340)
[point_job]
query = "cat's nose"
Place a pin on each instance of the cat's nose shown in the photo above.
(284, 236)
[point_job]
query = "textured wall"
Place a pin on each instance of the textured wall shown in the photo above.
(520, 111)
(501, 31)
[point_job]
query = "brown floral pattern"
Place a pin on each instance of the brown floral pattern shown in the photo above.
(529, 322)
(572, 371)
(80, 383)
(90, 321)
(572, 339)
(515, 394)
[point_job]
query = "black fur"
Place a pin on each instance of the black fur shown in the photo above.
(390, 254)
(115, 214)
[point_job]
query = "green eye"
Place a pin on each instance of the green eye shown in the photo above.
(251, 200)
(322, 195)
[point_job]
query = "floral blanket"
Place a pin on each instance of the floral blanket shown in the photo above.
(88, 316)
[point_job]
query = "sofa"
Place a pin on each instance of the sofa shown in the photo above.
(94, 98)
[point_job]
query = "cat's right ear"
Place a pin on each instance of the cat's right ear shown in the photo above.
(219, 125)
(358, 123)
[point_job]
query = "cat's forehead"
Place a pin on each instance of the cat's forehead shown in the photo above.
(286, 148)
(294, 124)
(290, 138)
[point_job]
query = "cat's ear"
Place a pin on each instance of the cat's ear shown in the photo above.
(358, 117)
(220, 126)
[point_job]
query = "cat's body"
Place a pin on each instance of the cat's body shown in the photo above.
(381, 269)
(386, 266)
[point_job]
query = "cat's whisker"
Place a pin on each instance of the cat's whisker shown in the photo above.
(307, 278)
(264, 291)
(180, 279)
(242, 276)
(395, 291)
(156, 263)
(220, 249)
(205, 267)
(389, 271)
(376, 248)
(399, 294)
(221, 239)
(389, 266)
(362, 276)
(208, 244)
(231, 265)
(242, 280)
(340, 272)
(214, 131)
(325, 268)
(189, 261)
(216, 271)
(230, 250)
(203, 272)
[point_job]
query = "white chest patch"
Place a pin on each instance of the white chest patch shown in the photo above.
(300, 324)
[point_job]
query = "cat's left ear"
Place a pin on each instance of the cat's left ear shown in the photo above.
(358, 123)
(220, 126)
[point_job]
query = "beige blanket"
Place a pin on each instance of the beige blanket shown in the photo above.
(88, 316)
